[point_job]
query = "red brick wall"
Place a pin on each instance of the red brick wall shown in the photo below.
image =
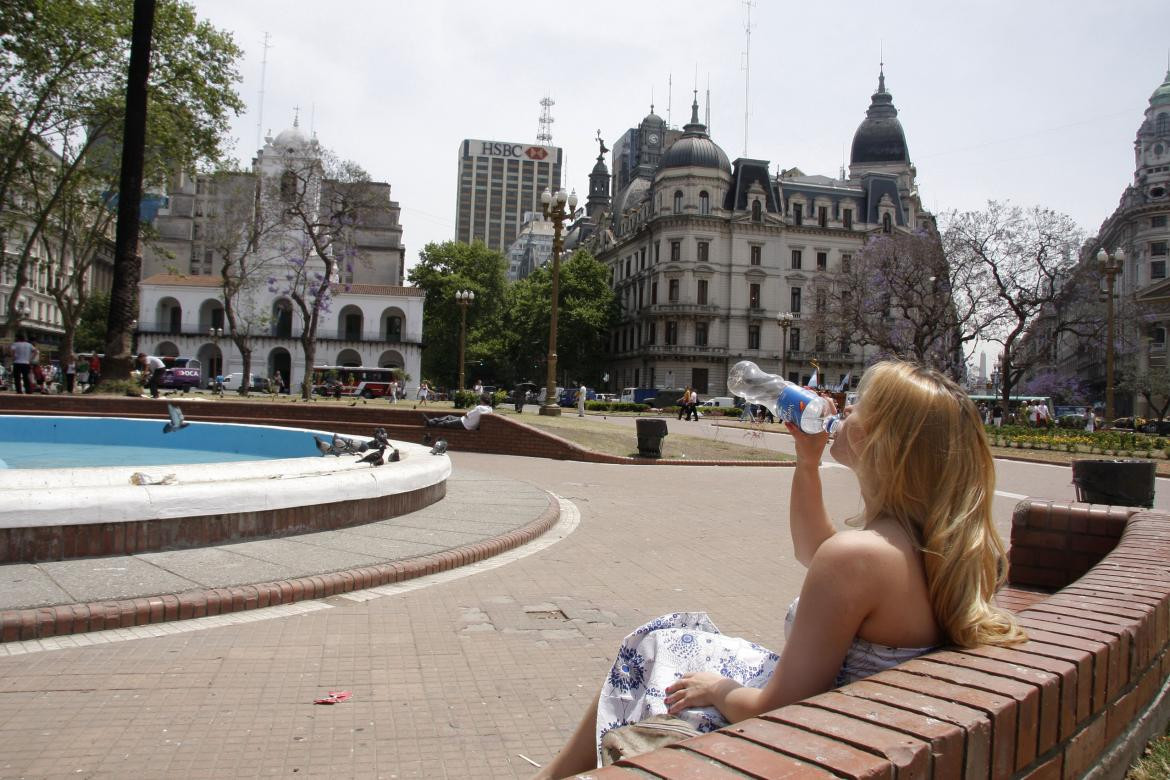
(1085, 692)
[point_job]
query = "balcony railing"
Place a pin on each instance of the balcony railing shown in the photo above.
(683, 308)
(682, 349)
(166, 329)
(822, 356)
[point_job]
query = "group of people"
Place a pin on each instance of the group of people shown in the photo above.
(917, 569)
(32, 372)
(688, 405)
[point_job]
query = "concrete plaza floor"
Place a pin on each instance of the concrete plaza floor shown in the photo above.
(469, 673)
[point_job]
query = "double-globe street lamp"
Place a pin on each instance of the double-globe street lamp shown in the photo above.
(784, 319)
(1111, 265)
(463, 299)
(555, 210)
(216, 334)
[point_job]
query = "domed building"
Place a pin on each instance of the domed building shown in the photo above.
(705, 252)
(371, 318)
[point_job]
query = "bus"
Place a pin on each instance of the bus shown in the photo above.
(355, 381)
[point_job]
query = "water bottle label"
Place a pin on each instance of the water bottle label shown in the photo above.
(791, 403)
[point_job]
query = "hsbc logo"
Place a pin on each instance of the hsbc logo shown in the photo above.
(514, 151)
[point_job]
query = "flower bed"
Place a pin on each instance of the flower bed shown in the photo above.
(1112, 442)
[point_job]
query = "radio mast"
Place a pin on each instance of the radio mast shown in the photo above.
(544, 131)
(747, 72)
(263, 72)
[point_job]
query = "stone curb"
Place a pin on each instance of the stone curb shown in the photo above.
(43, 622)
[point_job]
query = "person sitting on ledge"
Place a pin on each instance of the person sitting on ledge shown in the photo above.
(470, 421)
(919, 569)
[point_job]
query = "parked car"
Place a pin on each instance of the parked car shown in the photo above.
(232, 382)
(182, 373)
(1157, 427)
(720, 401)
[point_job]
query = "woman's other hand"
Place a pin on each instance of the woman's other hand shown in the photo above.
(699, 689)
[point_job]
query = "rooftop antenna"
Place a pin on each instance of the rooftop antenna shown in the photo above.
(747, 72)
(842, 162)
(263, 72)
(313, 119)
(707, 111)
(544, 134)
(669, 95)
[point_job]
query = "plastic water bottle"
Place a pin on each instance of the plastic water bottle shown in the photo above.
(788, 401)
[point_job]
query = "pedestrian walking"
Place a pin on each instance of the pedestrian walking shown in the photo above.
(1090, 420)
(997, 416)
(95, 371)
(24, 357)
(582, 394)
(424, 392)
(683, 401)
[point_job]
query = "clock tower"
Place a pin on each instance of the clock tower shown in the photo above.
(652, 138)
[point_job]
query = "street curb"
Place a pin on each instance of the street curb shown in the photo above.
(43, 622)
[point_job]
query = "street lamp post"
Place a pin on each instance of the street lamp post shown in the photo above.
(215, 334)
(463, 299)
(784, 320)
(1111, 265)
(555, 210)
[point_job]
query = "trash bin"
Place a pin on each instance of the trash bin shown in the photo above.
(1116, 482)
(650, 434)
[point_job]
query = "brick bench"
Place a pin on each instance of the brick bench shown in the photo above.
(1090, 584)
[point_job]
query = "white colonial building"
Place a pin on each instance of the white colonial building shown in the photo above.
(705, 253)
(370, 319)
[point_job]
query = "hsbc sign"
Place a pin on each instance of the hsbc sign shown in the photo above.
(511, 151)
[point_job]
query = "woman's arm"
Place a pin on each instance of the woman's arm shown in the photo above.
(840, 591)
(807, 517)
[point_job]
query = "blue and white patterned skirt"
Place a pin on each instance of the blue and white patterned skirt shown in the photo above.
(663, 650)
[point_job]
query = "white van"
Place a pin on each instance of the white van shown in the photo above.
(232, 381)
(721, 401)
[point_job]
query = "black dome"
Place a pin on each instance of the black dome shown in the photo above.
(695, 151)
(695, 148)
(879, 137)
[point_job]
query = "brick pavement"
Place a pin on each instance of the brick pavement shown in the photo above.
(456, 679)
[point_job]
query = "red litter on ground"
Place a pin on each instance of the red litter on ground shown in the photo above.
(334, 697)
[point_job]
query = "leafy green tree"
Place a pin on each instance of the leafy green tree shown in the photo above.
(586, 312)
(62, 106)
(442, 270)
(90, 335)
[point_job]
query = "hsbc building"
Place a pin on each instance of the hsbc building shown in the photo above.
(498, 182)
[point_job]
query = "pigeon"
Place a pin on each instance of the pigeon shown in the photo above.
(381, 438)
(344, 445)
(324, 447)
(177, 422)
(440, 447)
(375, 458)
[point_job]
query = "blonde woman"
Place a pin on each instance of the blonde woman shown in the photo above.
(918, 569)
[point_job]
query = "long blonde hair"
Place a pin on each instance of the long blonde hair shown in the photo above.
(926, 463)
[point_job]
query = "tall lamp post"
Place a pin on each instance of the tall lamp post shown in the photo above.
(1111, 265)
(463, 299)
(556, 211)
(784, 320)
(216, 334)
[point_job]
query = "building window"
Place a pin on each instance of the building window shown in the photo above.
(652, 333)
(653, 293)
(1158, 249)
(1158, 337)
(702, 292)
(887, 224)
(699, 380)
(675, 250)
(394, 329)
(847, 219)
(846, 263)
(700, 334)
(822, 261)
(704, 203)
(819, 341)
(1157, 269)
(627, 276)
(1162, 124)
(703, 248)
(797, 214)
(753, 337)
(288, 186)
(797, 259)
(794, 340)
(795, 302)
(756, 254)
(822, 301)
(823, 216)
(757, 211)
(672, 295)
(657, 251)
(1158, 221)
(671, 333)
(754, 296)
(678, 202)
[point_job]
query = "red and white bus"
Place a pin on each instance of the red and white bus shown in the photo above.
(355, 381)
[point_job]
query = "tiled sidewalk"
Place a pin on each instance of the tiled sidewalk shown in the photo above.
(464, 675)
